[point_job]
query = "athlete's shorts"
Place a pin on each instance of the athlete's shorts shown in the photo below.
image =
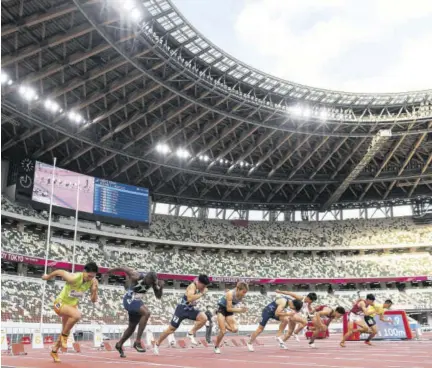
(222, 310)
(132, 306)
(355, 317)
(183, 312)
(266, 315)
(370, 321)
(58, 304)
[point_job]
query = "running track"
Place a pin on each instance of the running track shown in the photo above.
(384, 354)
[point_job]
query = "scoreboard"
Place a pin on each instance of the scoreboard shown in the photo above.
(121, 201)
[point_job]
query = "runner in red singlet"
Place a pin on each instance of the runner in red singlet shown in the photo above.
(324, 315)
(356, 315)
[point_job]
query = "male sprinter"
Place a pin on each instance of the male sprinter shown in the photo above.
(356, 316)
(187, 310)
(300, 319)
(275, 310)
(226, 310)
(372, 311)
(324, 315)
(66, 303)
(137, 284)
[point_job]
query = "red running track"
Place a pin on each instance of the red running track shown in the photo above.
(383, 354)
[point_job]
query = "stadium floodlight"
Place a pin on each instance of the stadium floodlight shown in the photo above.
(241, 163)
(206, 158)
(221, 161)
(323, 114)
(75, 117)
(28, 93)
(52, 106)
(136, 15)
(128, 5)
(182, 153)
(5, 78)
(163, 148)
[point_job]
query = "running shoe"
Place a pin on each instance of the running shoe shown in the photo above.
(281, 343)
(368, 343)
(138, 347)
(297, 337)
(120, 350)
(312, 346)
(54, 355)
(250, 346)
(155, 349)
(192, 339)
(217, 350)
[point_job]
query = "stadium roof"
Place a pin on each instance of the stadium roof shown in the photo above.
(134, 93)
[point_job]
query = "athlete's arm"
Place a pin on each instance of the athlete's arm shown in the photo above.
(132, 274)
(190, 293)
(280, 309)
(229, 306)
(94, 291)
(289, 293)
(318, 315)
(66, 276)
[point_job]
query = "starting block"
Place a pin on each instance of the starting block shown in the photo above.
(204, 343)
(182, 344)
(77, 347)
(18, 349)
(107, 346)
(243, 341)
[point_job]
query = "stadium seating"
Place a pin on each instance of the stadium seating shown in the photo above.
(21, 302)
(320, 234)
(252, 264)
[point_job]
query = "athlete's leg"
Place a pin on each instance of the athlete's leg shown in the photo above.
(145, 315)
(165, 334)
(221, 320)
(290, 331)
(200, 321)
(298, 321)
(361, 327)
(133, 322)
(374, 331)
(255, 334)
(282, 326)
(231, 324)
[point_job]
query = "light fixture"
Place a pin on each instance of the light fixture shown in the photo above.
(4, 78)
(75, 117)
(182, 153)
(323, 114)
(206, 158)
(28, 93)
(163, 148)
(128, 5)
(241, 164)
(136, 15)
(52, 106)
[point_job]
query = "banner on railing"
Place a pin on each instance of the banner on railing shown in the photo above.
(12, 257)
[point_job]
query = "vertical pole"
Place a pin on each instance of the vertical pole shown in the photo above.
(48, 241)
(76, 227)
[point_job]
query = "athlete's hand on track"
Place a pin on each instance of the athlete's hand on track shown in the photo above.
(45, 277)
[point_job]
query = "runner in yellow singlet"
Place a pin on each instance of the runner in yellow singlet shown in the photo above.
(66, 303)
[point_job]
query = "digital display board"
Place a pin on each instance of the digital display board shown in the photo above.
(65, 188)
(121, 201)
(96, 196)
